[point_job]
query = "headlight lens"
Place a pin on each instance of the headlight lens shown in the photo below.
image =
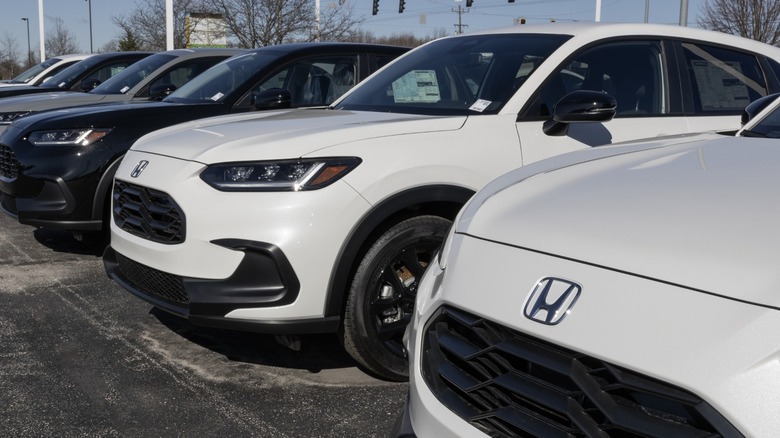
(6, 118)
(67, 137)
(284, 175)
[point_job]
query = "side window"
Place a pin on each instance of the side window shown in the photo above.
(722, 81)
(108, 71)
(382, 60)
(314, 81)
(630, 71)
(181, 74)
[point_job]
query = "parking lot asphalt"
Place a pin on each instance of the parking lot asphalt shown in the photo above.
(79, 356)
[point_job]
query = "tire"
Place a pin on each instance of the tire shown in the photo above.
(382, 294)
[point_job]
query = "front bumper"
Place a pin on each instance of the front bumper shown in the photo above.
(255, 261)
(264, 278)
(54, 188)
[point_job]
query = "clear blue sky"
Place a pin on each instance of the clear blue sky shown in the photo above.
(421, 17)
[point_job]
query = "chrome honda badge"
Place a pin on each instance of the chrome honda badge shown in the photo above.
(139, 168)
(551, 300)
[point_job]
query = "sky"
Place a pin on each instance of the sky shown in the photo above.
(423, 18)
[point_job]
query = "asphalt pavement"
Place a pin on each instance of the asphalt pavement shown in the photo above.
(79, 356)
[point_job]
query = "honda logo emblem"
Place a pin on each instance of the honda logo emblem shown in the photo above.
(139, 168)
(551, 300)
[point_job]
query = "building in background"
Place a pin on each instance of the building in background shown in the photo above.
(206, 30)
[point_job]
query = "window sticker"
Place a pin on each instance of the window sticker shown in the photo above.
(124, 89)
(217, 96)
(417, 86)
(719, 88)
(480, 105)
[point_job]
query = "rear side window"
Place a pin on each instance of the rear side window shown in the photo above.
(722, 81)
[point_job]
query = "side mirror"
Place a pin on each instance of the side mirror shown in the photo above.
(756, 107)
(161, 90)
(580, 106)
(88, 85)
(272, 98)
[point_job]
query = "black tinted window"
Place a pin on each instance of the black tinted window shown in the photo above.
(630, 71)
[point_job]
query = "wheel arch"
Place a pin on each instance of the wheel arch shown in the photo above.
(439, 200)
(103, 189)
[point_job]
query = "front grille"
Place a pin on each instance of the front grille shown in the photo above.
(148, 213)
(9, 166)
(152, 282)
(508, 384)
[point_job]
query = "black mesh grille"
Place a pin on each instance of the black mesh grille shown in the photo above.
(506, 383)
(148, 213)
(9, 167)
(152, 282)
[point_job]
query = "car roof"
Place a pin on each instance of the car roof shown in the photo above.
(71, 56)
(601, 30)
(204, 51)
(319, 46)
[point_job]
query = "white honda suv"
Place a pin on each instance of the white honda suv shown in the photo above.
(318, 220)
(627, 291)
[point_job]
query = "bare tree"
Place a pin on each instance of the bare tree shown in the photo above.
(402, 39)
(110, 46)
(258, 23)
(755, 19)
(60, 40)
(9, 57)
(147, 23)
(250, 23)
(338, 22)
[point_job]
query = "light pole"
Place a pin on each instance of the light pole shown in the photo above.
(29, 61)
(90, 25)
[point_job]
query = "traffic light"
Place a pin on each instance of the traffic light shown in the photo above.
(469, 3)
(401, 5)
(376, 7)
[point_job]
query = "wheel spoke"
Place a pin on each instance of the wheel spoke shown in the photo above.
(412, 262)
(391, 331)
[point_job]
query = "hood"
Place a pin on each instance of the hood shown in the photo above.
(699, 213)
(282, 134)
(45, 101)
(100, 115)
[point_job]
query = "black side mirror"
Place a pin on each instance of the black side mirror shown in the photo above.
(161, 90)
(757, 106)
(88, 85)
(580, 106)
(272, 98)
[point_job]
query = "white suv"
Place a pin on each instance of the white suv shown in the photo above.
(624, 291)
(319, 220)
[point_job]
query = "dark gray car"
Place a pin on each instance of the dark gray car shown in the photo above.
(153, 77)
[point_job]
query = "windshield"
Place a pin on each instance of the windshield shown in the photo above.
(769, 126)
(455, 76)
(219, 81)
(31, 73)
(65, 78)
(132, 75)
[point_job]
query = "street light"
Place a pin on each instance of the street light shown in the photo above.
(29, 60)
(90, 26)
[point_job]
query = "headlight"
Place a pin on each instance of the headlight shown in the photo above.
(10, 117)
(67, 137)
(285, 175)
